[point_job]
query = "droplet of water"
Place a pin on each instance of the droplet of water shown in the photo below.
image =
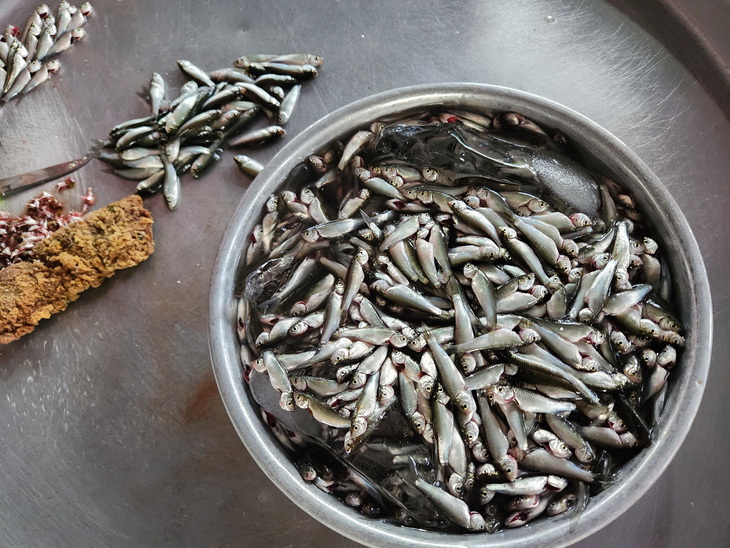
(550, 19)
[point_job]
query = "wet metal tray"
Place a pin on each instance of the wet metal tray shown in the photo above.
(113, 430)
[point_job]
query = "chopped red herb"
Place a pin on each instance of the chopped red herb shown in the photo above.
(43, 215)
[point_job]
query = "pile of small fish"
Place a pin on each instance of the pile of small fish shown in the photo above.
(44, 214)
(211, 110)
(475, 356)
(26, 56)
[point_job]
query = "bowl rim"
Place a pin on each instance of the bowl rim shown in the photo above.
(642, 471)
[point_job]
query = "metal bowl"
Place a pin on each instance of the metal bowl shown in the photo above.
(598, 149)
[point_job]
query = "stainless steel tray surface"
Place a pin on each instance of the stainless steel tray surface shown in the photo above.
(113, 430)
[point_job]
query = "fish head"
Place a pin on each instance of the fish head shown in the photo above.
(648, 357)
(502, 393)
(398, 340)
(559, 449)
(585, 454)
(470, 270)
(466, 404)
(570, 248)
(508, 465)
(358, 428)
(306, 470)
(472, 201)
(468, 363)
(529, 336)
(386, 394)
(286, 401)
(580, 220)
(258, 365)
(361, 256)
(358, 380)
(418, 421)
(667, 357)
(563, 264)
(306, 196)
(507, 232)
(485, 495)
(456, 485)
(310, 235)
(524, 502)
(299, 383)
(476, 522)
(298, 329)
(589, 364)
(417, 344)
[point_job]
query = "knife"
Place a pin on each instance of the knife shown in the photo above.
(18, 183)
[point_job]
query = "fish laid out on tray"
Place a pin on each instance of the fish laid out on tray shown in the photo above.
(28, 54)
(480, 328)
(212, 110)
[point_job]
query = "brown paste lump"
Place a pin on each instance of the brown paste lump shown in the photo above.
(73, 259)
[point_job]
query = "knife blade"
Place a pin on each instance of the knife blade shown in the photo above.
(18, 183)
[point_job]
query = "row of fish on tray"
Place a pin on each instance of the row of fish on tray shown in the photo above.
(28, 54)
(212, 110)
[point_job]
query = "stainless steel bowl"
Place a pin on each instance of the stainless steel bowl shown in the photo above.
(599, 149)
